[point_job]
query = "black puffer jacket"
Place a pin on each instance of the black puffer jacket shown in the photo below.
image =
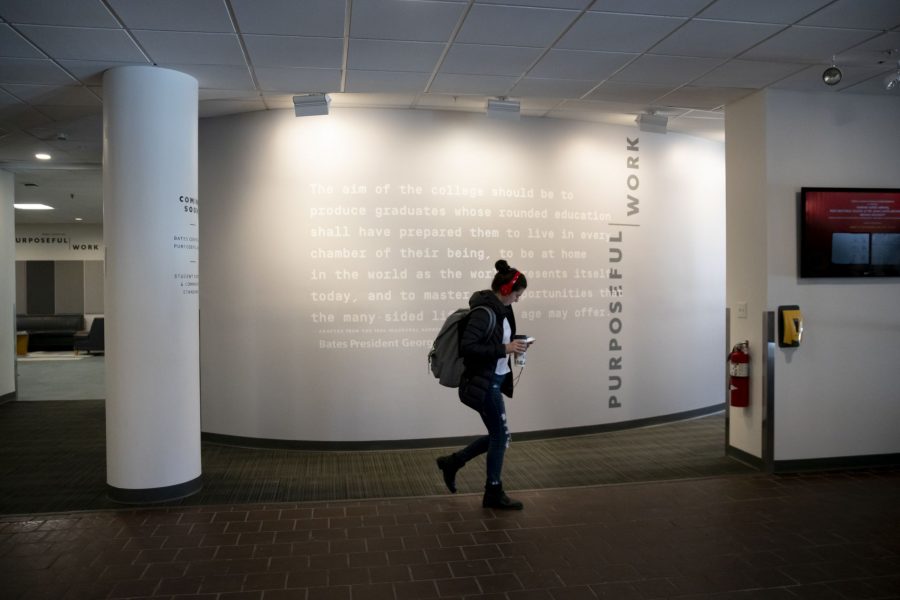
(481, 350)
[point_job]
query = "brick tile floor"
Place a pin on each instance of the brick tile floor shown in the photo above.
(825, 536)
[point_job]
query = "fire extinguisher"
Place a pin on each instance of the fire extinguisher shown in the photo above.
(739, 370)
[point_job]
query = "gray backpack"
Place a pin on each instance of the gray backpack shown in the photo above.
(444, 358)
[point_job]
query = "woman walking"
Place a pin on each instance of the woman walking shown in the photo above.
(487, 378)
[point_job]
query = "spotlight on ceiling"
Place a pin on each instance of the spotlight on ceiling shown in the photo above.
(652, 122)
(892, 81)
(503, 108)
(832, 75)
(309, 105)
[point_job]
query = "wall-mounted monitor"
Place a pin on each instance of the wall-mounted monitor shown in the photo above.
(849, 232)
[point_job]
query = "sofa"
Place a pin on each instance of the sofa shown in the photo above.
(50, 332)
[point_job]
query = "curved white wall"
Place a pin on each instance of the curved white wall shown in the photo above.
(279, 361)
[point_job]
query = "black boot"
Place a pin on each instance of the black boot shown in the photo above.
(449, 465)
(495, 497)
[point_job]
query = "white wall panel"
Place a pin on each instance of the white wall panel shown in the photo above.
(836, 394)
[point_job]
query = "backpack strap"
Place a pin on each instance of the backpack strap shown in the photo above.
(492, 321)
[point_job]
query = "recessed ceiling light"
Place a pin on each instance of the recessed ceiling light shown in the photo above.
(42, 156)
(32, 207)
(79, 219)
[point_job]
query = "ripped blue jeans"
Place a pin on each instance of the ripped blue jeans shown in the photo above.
(493, 414)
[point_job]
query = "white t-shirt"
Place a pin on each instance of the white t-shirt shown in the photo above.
(503, 363)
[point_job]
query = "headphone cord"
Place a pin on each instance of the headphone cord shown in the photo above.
(519, 376)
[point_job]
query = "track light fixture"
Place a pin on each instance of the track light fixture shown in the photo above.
(652, 122)
(832, 75)
(503, 108)
(309, 105)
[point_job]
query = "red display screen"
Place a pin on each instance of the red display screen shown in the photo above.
(849, 232)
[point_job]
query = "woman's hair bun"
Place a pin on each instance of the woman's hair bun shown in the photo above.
(502, 266)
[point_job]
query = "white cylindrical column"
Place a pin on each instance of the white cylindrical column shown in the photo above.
(151, 293)
(7, 288)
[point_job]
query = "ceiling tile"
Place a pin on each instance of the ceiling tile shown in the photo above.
(567, 4)
(217, 108)
(299, 81)
(489, 60)
(664, 70)
(617, 32)
(533, 87)
(90, 71)
(191, 48)
(748, 73)
(479, 85)
(32, 70)
(174, 15)
(703, 98)
(80, 43)
(14, 45)
(875, 49)
(580, 64)
(213, 94)
(66, 113)
(714, 38)
(812, 44)
(52, 95)
(514, 25)
(222, 77)
(86, 131)
(669, 8)
(763, 11)
(389, 55)
(386, 81)
(858, 14)
(612, 91)
(451, 102)
(320, 18)
(23, 117)
(404, 20)
(87, 13)
(285, 51)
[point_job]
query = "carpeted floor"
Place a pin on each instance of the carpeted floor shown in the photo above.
(52, 458)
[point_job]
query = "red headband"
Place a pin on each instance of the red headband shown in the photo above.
(506, 289)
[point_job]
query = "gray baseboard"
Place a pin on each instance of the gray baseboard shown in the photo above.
(837, 463)
(249, 442)
(155, 495)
